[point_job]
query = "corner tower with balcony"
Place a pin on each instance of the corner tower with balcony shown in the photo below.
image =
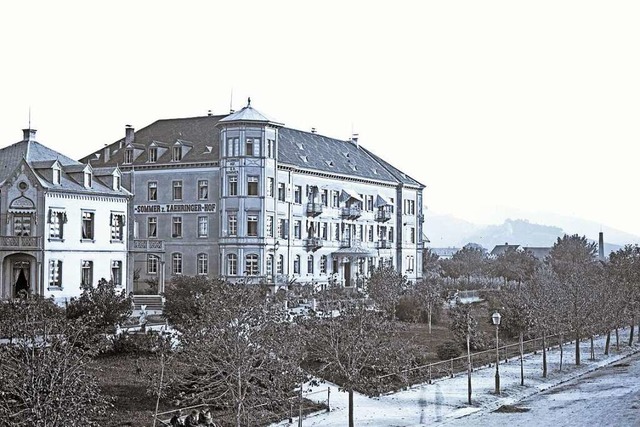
(248, 171)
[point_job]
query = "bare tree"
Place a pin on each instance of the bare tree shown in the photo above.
(428, 292)
(386, 286)
(44, 374)
(624, 268)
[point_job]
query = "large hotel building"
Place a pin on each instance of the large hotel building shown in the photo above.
(243, 197)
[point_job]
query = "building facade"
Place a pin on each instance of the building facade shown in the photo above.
(63, 222)
(243, 197)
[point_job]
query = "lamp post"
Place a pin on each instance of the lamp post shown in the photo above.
(495, 318)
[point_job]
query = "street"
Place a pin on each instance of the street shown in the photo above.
(609, 396)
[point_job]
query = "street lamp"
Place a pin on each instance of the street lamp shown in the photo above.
(495, 318)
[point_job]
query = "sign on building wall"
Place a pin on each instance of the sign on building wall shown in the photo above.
(175, 208)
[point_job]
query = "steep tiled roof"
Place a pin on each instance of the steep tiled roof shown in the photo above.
(296, 148)
(32, 152)
(500, 249)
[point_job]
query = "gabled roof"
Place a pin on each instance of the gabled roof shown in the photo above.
(539, 253)
(500, 249)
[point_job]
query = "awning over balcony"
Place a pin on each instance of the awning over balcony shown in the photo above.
(350, 194)
(425, 239)
(354, 251)
(381, 201)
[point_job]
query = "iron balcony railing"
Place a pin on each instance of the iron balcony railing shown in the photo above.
(148, 245)
(314, 209)
(27, 242)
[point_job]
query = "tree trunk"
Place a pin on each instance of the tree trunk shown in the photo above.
(429, 316)
(521, 358)
(544, 355)
(617, 340)
(593, 351)
(577, 348)
(351, 408)
(633, 322)
(607, 343)
(561, 351)
(469, 367)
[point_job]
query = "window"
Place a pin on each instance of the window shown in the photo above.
(116, 273)
(232, 265)
(233, 185)
(152, 264)
(203, 264)
(411, 262)
(251, 265)
(269, 227)
(270, 146)
(252, 147)
(55, 273)
(269, 271)
(56, 176)
(203, 189)
(324, 197)
(336, 232)
(252, 225)
(117, 227)
(324, 231)
(177, 190)
(86, 275)
(323, 264)
(412, 235)
(281, 191)
(280, 265)
(152, 191)
(116, 182)
(310, 264)
(369, 203)
(296, 264)
(128, 155)
(21, 224)
(335, 199)
(371, 233)
(57, 219)
(176, 226)
(283, 228)
(152, 226)
(409, 207)
(297, 194)
(233, 146)
(269, 187)
(252, 186)
(391, 234)
(203, 226)
(176, 263)
(153, 154)
(87, 225)
(88, 182)
(297, 229)
(177, 154)
(232, 224)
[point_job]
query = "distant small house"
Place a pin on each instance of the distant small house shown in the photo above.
(539, 253)
(500, 249)
(444, 253)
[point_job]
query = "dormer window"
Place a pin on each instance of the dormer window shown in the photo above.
(116, 182)
(87, 179)
(177, 153)
(128, 155)
(56, 176)
(153, 154)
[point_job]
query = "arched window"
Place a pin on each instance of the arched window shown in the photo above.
(310, 264)
(280, 266)
(269, 265)
(251, 265)
(296, 265)
(232, 265)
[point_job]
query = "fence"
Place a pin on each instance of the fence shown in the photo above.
(447, 368)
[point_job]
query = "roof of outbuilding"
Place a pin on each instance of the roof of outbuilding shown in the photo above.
(500, 249)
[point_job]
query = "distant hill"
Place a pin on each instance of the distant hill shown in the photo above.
(449, 231)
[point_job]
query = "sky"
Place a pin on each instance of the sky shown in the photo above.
(494, 105)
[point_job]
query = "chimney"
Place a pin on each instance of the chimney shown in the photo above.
(106, 154)
(209, 113)
(129, 134)
(313, 130)
(354, 139)
(601, 246)
(28, 134)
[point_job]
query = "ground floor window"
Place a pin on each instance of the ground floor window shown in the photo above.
(232, 265)
(251, 265)
(152, 264)
(55, 273)
(176, 263)
(203, 264)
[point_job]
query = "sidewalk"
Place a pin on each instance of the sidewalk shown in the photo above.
(446, 399)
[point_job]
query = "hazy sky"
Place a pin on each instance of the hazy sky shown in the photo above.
(492, 105)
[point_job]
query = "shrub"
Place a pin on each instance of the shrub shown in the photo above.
(448, 350)
(408, 309)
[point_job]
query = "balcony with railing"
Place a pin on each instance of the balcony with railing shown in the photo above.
(148, 245)
(313, 243)
(383, 244)
(383, 215)
(314, 209)
(20, 242)
(351, 212)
